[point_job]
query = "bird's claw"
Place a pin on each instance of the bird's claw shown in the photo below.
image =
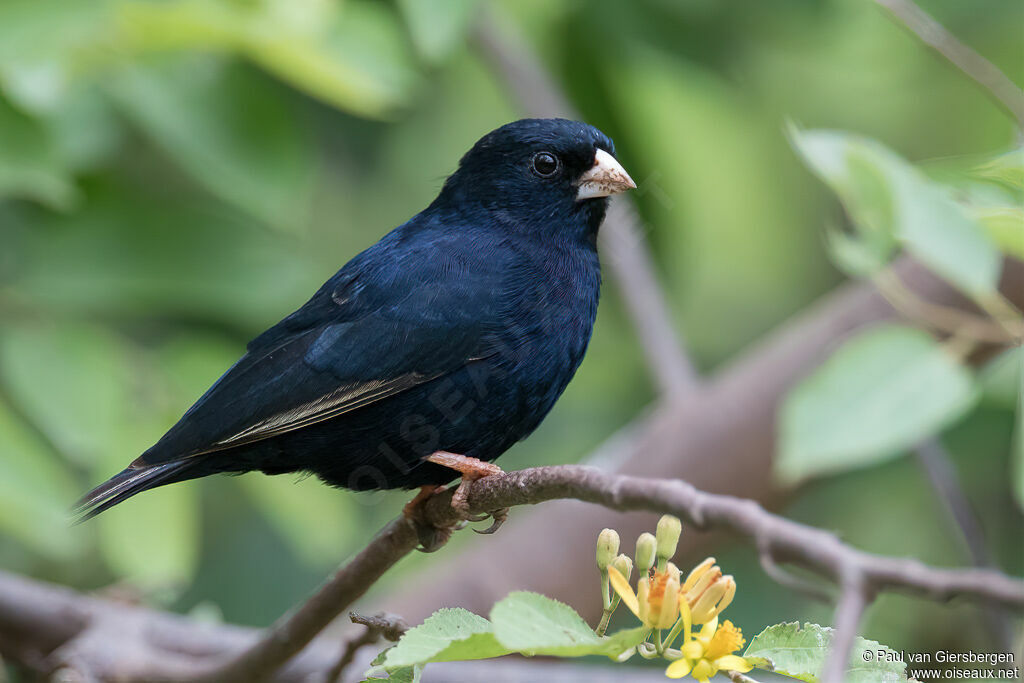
(471, 470)
(499, 517)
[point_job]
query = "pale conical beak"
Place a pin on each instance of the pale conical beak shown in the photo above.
(605, 177)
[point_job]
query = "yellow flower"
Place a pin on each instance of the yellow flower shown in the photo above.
(707, 591)
(656, 598)
(709, 651)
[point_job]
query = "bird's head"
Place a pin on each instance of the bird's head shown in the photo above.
(539, 175)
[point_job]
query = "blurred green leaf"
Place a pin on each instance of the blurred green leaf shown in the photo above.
(852, 169)
(1005, 226)
(97, 397)
(1006, 168)
(229, 129)
(800, 653)
(44, 44)
(437, 26)
(137, 250)
(888, 198)
(30, 165)
(315, 519)
(1001, 378)
(36, 492)
(352, 58)
(74, 381)
(883, 391)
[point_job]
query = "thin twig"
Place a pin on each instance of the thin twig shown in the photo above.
(387, 626)
(852, 601)
(972, 64)
(790, 580)
(625, 249)
(945, 319)
(938, 466)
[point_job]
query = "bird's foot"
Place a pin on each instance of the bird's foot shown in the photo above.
(471, 470)
(431, 537)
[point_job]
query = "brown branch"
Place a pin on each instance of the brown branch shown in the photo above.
(624, 246)
(972, 64)
(204, 658)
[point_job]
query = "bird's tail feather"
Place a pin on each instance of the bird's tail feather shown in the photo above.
(124, 485)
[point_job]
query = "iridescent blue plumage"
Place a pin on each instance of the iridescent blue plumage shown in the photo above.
(457, 331)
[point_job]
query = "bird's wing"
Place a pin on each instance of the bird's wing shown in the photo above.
(372, 331)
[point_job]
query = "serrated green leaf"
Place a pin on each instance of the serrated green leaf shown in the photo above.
(801, 652)
(229, 129)
(883, 391)
(407, 674)
(447, 635)
(532, 623)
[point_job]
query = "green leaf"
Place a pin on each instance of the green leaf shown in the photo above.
(801, 652)
(352, 58)
(534, 624)
(228, 128)
(75, 265)
(407, 674)
(888, 199)
(99, 399)
(1002, 378)
(1006, 168)
(938, 231)
(30, 164)
(852, 167)
(74, 381)
(1005, 226)
(437, 26)
(36, 492)
(883, 391)
(447, 635)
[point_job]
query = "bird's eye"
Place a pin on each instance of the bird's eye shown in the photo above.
(545, 164)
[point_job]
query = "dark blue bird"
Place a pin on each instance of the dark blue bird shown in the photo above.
(456, 332)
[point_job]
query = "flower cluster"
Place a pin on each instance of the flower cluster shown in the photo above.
(662, 601)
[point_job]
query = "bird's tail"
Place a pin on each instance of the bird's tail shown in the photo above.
(126, 484)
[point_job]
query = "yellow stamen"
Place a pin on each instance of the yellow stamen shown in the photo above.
(727, 639)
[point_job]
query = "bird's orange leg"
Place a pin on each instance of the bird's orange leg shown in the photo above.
(471, 470)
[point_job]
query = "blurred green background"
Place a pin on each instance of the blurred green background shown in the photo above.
(176, 176)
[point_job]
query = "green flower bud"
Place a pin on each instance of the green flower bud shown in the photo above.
(669, 529)
(607, 548)
(646, 546)
(624, 565)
